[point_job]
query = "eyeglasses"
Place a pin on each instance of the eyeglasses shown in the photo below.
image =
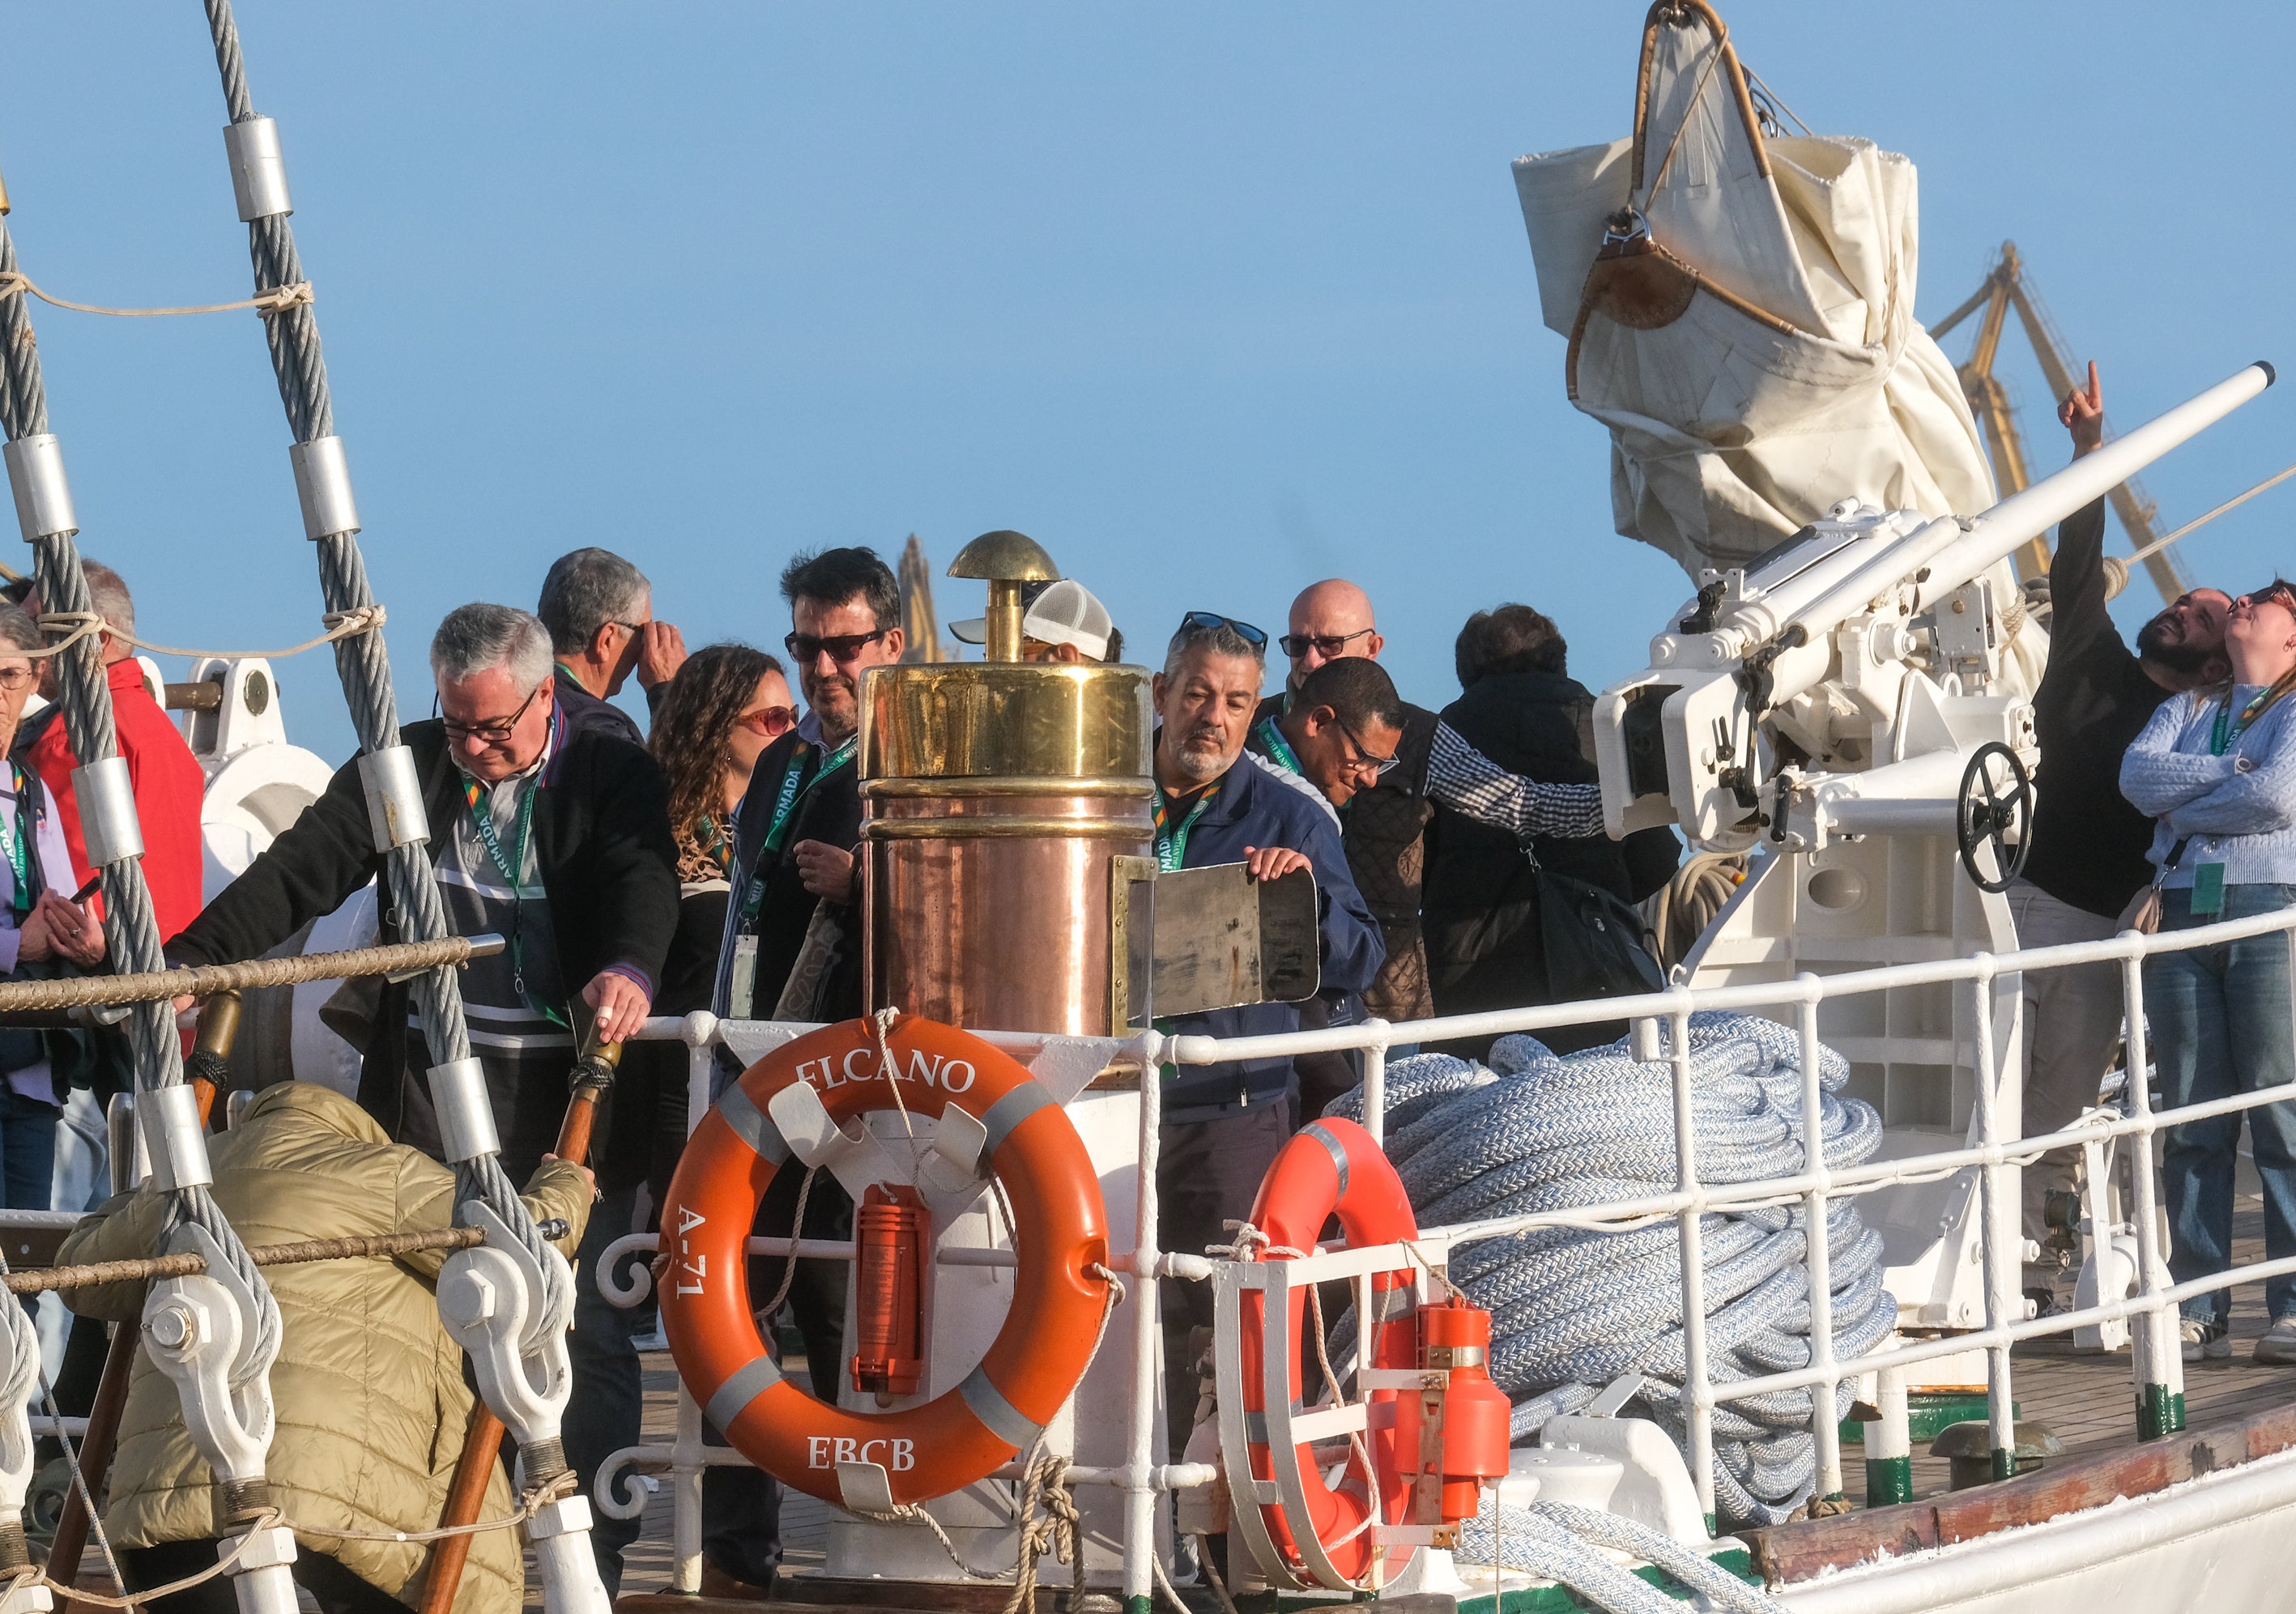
(2279, 592)
(1365, 756)
(16, 677)
(1296, 645)
(1197, 621)
(494, 731)
(771, 722)
(843, 648)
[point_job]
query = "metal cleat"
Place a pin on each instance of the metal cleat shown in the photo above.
(202, 1332)
(487, 1299)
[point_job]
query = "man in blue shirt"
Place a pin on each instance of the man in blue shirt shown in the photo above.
(1223, 1124)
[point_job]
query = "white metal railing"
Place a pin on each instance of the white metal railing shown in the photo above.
(2156, 1364)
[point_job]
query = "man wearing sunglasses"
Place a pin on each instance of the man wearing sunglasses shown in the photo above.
(1223, 1124)
(599, 609)
(1428, 765)
(2088, 848)
(792, 951)
(558, 841)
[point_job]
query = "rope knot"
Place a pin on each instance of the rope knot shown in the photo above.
(358, 620)
(278, 300)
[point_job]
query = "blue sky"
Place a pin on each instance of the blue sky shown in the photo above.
(1211, 301)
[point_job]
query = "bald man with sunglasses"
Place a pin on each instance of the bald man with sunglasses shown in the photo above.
(1387, 812)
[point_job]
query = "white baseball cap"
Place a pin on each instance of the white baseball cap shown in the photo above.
(1057, 613)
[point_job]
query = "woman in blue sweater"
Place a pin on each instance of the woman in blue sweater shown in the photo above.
(2217, 767)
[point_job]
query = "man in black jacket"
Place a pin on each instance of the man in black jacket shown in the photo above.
(792, 951)
(2090, 844)
(554, 838)
(599, 609)
(1519, 707)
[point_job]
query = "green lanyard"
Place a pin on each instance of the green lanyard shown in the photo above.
(15, 840)
(1172, 842)
(795, 789)
(513, 870)
(1272, 737)
(2227, 731)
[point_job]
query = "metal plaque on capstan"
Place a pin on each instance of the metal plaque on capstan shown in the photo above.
(1190, 940)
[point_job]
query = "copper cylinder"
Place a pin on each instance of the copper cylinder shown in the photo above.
(993, 796)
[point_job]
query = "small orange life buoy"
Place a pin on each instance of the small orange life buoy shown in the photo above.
(1061, 1236)
(1334, 1168)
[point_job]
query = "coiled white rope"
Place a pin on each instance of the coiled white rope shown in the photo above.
(1574, 1308)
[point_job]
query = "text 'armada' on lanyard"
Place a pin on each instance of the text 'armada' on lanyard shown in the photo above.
(513, 870)
(795, 789)
(1172, 840)
(15, 840)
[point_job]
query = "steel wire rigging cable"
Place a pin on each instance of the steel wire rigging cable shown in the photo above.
(293, 332)
(131, 928)
(1574, 1309)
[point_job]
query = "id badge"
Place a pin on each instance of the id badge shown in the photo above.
(743, 990)
(2208, 890)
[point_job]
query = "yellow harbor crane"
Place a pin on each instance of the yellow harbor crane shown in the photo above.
(2005, 288)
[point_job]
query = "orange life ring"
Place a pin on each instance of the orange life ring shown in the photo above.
(1061, 1232)
(1334, 1168)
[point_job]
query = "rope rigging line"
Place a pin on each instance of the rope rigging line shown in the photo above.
(75, 625)
(292, 336)
(205, 980)
(268, 303)
(131, 928)
(1574, 1309)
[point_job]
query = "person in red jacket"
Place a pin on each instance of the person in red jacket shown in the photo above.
(167, 780)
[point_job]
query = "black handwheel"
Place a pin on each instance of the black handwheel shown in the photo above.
(1994, 812)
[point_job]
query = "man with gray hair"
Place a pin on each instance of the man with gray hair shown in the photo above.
(599, 609)
(1223, 1124)
(168, 783)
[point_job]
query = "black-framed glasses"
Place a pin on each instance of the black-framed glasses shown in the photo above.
(2280, 592)
(1364, 756)
(1197, 621)
(1296, 645)
(843, 648)
(494, 731)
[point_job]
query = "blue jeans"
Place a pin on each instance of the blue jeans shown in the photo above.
(82, 1165)
(28, 1149)
(2221, 1024)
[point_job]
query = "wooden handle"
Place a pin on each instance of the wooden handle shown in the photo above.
(482, 1437)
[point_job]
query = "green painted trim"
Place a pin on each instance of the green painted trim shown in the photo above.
(1888, 1480)
(2159, 1411)
(1552, 1599)
(1928, 1413)
(2004, 1462)
(1139, 1605)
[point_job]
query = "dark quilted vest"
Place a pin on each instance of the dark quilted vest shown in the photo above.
(1387, 852)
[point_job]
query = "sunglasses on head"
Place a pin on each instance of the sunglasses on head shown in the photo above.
(841, 648)
(769, 722)
(1296, 645)
(1199, 620)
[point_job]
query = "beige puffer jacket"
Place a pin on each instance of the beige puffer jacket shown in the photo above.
(368, 1388)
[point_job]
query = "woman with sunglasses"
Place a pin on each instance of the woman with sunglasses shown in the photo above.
(724, 706)
(2217, 769)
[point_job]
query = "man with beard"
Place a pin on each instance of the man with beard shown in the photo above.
(2089, 853)
(1223, 1124)
(792, 951)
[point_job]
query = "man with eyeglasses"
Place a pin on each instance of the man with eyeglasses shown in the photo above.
(792, 951)
(1223, 1124)
(1430, 765)
(556, 838)
(599, 609)
(2088, 847)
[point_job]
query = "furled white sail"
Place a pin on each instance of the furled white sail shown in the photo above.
(1740, 310)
